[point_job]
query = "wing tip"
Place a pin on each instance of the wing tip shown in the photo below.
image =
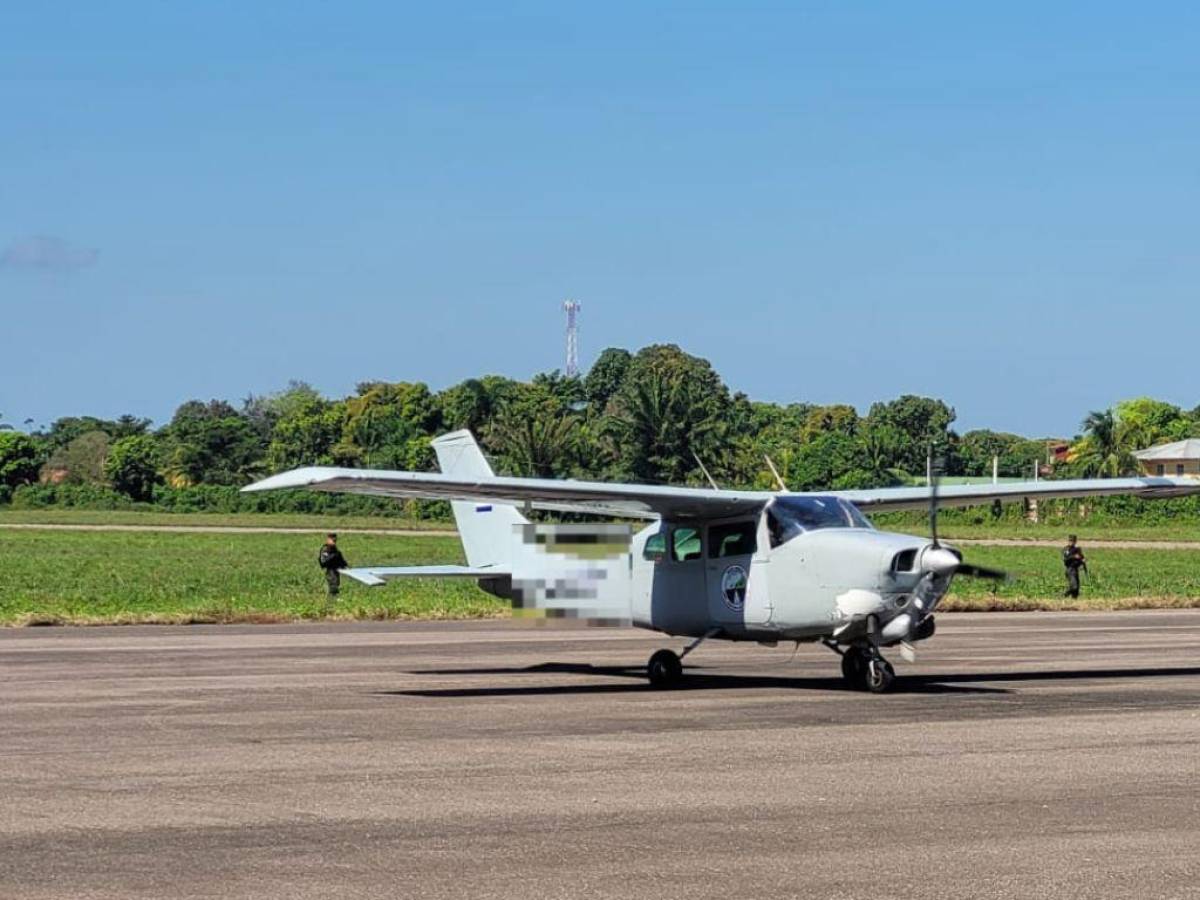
(296, 478)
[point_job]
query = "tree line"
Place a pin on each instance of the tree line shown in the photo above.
(652, 416)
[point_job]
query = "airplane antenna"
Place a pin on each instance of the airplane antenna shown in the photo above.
(715, 486)
(774, 471)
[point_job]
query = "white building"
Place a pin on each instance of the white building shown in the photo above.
(1179, 458)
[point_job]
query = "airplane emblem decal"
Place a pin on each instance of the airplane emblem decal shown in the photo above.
(733, 587)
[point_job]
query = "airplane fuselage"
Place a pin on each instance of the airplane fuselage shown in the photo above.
(819, 584)
(728, 579)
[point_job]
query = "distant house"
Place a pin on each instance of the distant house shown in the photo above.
(1179, 458)
(53, 475)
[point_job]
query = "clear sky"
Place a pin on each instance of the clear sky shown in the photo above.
(834, 202)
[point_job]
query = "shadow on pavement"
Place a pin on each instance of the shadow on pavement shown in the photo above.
(695, 680)
(1069, 674)
(546, 667)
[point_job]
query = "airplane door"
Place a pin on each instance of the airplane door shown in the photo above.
(674, 579)
(736, 581)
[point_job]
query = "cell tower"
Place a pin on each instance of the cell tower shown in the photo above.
(572, 308)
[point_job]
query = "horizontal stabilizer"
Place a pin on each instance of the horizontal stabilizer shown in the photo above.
(373, 576)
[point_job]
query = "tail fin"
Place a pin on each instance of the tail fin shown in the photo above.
(489, 532)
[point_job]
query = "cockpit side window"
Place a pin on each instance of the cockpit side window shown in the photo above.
(732, 539)
(656, 548)
(685, 544)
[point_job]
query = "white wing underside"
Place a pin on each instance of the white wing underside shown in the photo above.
(373, 576)
(597, 498)
(655, 501)
(891, 499)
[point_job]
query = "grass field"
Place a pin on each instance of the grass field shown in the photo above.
(1010, 529)
(126, 577)
(1118, 579)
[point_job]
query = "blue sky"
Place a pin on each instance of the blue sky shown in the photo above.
(833, 202)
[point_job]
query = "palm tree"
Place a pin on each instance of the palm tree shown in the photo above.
(538, 443)
(1104, 450)
(645, 423)
(881, 446)
(662, 428)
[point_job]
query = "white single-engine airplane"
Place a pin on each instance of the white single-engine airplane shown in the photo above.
(714, 564)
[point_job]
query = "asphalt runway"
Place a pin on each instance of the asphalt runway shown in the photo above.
(1023, 755)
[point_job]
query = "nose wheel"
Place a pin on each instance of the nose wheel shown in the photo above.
(867, 671)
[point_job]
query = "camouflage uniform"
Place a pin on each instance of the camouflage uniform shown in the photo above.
(1073, 561)
(330, 559)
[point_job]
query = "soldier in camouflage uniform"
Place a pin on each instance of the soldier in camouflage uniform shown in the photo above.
(1073, 561)
(331, 560)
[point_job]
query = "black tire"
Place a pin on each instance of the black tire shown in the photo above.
(879, 676)
(854, 669)
(664, 669)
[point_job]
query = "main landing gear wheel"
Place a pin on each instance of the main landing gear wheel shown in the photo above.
(664, 669)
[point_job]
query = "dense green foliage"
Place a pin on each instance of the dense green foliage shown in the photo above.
(143, 516)
(132, 467)
(221, 499)
(19, 460)
(650, 416)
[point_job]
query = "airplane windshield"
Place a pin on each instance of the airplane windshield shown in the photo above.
(790, 516)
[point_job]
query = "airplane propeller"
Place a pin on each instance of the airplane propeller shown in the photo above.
(938, 561)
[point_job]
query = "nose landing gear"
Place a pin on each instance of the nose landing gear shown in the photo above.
(865, 670)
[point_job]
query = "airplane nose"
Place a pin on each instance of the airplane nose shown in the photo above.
(939, 561)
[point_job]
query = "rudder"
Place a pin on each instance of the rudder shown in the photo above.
(489, 531)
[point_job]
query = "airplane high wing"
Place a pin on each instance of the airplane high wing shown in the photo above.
(639, 501)
(891, 499)
(655, 501)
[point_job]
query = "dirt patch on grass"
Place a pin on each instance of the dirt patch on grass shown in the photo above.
(251, 617)
(1082, 604)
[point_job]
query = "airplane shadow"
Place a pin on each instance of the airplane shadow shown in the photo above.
(695, 680)
(1071, 674)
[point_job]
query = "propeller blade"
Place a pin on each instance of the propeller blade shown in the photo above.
(934, 477)
(970, 570)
